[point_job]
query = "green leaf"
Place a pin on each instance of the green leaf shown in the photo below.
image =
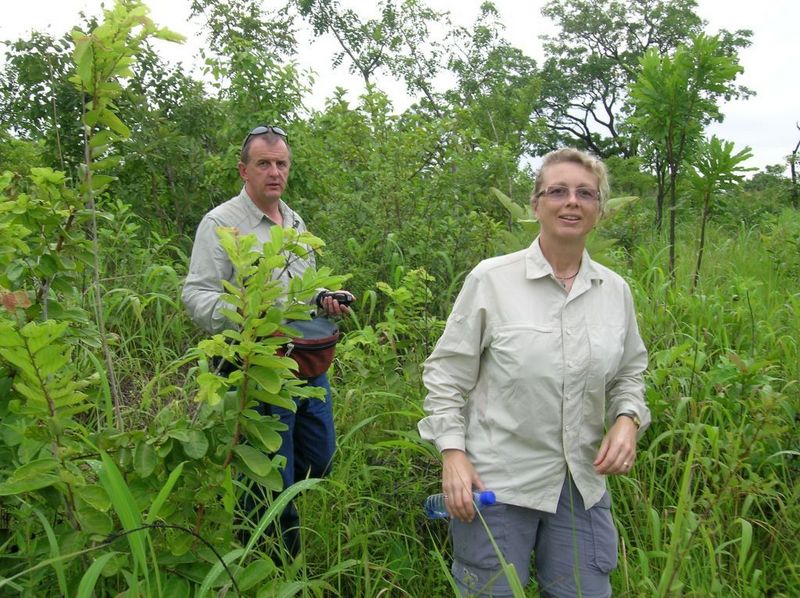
(263, 434)
(48, 265)
(255, 460)
(51, 359)
(232, 334)
(196, 444)
(94, 496)
(105, 163)
(84, 60)
(144, 459)
(115, 124)
(35, 475)
(268, 379)
(180, 434)
(101, 181)
(232, 315)
(9, 488)
(169, 35)
(266, 329)
(102, 138)
(94, 521)
(177, 587)
(212, 387)
(255, 573)
(276, 399)
(180, 544)
(517, 211)
(273, 362)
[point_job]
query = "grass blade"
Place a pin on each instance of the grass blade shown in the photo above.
(126, 509)
(163, 494)
(55, 552)
(89, 579)
(216, 570)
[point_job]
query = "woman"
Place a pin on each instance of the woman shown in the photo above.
(540, 354)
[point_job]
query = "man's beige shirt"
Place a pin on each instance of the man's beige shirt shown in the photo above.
(526, 375)
(209, 265)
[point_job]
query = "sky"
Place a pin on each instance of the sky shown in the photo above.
(766, 122)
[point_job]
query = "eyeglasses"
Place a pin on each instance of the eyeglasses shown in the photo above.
(261, 129)
(562, 193)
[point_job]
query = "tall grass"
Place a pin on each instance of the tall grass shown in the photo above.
(711, 506)
(710, 509)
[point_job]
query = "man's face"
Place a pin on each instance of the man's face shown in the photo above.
(266, 171)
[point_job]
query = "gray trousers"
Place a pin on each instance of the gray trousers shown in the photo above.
(574, 549)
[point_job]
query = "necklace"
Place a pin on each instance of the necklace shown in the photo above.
(563, 279)
(566, 277)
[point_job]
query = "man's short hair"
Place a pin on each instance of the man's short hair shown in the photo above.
(270, 137)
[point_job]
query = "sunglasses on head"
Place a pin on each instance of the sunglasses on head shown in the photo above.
(261, 129)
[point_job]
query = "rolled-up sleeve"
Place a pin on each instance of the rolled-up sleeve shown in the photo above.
(625, 391)
(202, 290)
(451, 371)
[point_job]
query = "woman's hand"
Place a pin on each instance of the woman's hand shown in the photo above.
(618, 448)
(459, 478)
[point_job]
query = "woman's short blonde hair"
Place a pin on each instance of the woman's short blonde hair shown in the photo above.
(569, 154)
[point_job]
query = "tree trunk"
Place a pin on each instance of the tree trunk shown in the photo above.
(661, 193)
(673, 178)
(793, 170)
(706, 212)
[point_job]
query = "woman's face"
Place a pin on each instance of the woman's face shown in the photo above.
(568, 207)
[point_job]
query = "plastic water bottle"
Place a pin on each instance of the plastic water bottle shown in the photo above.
(435, 505)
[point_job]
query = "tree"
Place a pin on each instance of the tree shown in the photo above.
(178, 133)
(398, 42)
(594, 57)
(715, 169)
(38, 102)
(367, 44)
(674, 98)
(497, 87)
(792, 159)
(247, 62)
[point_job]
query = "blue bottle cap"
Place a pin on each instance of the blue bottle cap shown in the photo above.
(488, 497)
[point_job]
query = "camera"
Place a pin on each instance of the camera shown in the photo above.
(341, 297)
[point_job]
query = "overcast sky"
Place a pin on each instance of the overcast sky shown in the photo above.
(765, 122)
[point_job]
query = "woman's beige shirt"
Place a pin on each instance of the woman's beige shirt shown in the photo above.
(526, 376)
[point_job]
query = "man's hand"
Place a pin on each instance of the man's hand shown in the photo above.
(618, 448)
(458, 480)
(335, 303)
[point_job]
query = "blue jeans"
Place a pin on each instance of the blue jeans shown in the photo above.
(308, 446)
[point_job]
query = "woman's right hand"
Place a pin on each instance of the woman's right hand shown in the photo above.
(459, 478)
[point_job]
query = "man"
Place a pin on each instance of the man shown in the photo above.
(265, 160)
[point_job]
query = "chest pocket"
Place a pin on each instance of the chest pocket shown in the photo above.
(524, 351)
(607, 344)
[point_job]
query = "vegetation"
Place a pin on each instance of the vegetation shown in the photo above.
(122, 451)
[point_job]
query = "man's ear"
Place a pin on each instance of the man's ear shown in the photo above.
(242, 170)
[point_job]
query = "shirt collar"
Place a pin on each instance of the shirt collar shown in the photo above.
(537, 266)
(254, 214)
